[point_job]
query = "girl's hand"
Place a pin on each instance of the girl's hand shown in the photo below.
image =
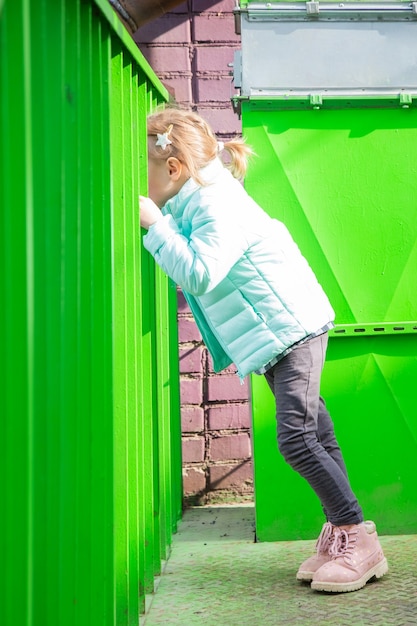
(149, 212)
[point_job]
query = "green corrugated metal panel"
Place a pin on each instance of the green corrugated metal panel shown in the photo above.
(79, 323)
(345, 182)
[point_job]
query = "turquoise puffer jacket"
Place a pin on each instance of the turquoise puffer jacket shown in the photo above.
(249, 288)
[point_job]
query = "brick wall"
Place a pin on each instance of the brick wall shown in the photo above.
(190, 49)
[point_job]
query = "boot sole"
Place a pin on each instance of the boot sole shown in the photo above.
(305, 576)
(379, 570)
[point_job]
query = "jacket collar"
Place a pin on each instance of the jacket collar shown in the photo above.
(209, 173)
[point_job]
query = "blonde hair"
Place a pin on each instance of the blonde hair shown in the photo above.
(192, 141)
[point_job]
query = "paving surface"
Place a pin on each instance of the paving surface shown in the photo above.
(217, 576)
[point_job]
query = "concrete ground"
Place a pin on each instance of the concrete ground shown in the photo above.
(217, 576)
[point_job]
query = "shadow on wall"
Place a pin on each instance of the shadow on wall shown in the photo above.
(136, 13)
(183, 9)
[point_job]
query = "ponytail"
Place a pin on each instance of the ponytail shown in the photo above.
(239, 153)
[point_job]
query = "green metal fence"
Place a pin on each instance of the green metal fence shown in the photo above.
(89, 403)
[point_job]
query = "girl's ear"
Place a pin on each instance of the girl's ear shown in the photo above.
(175, 168)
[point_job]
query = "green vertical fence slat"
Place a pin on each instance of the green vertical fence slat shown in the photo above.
(77, 345)
(150, 424)
(84, 567)
(48, 198)
(68, 363)
(130, 244)
(176, 485)
(14, 344)
(46, 171)
(137, 136)
(162, 364)
(121, 478)
(135, 133)
(150, 377)
(101, 584)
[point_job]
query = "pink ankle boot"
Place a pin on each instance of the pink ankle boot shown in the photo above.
(356, 557)
(312, 564)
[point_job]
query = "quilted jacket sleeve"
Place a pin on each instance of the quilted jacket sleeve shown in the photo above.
(200, 255)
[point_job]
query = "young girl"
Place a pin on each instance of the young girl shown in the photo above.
(258, 305)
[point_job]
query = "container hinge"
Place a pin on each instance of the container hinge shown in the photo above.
(312, 8)
(237, 104)
(316, 100)
(406, 99)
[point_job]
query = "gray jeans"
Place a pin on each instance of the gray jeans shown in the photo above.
(306, 437)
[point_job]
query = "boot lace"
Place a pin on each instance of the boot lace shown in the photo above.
(343, 543)
(324, 539)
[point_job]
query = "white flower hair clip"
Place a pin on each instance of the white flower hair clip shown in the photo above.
(163, 140)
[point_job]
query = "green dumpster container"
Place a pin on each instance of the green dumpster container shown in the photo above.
(327, 99)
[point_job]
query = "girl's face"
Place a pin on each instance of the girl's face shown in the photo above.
(165, 178)
(159, 180)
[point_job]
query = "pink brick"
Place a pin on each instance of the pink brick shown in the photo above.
(178, 86)
(191, 390)
(217, 7)
(167, 29)
(228, 370)
(226, 388)
(229, 447)
(235, 476)
(165, 59)
(215, 90)
(222, 120)
(193, 450)
(229, 416)
(192, 419)
(182, 303)
(194, 480)
(214, 58)
(209, 28)
(188, 331)
(191, 360)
